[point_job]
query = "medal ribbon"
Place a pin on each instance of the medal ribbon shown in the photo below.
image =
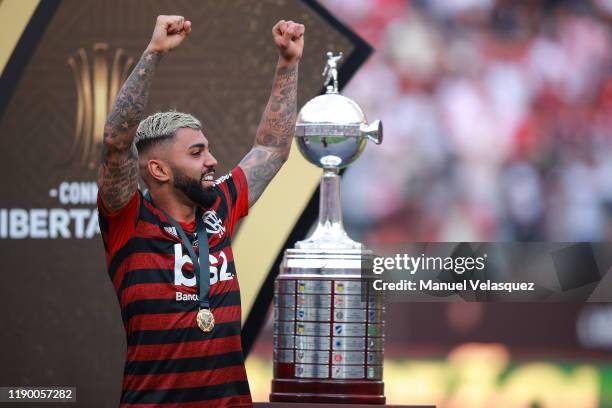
(202, 274)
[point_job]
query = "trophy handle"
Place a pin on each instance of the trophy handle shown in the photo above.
(373, 131)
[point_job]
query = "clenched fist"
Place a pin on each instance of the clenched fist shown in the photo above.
(289, 38)
(169, 32)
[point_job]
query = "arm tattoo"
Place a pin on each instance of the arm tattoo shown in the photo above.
(274, 134)
(118, 172)
(260, 165)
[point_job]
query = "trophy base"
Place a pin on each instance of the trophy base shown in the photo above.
(334, 392)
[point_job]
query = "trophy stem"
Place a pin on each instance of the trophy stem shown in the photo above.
(330, 211)
(329, 233)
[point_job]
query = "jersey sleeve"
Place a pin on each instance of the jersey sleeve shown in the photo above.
(118, 226)
(235, 187)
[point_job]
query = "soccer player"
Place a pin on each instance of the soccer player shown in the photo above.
(183, 331)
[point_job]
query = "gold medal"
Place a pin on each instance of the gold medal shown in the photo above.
(205, 320)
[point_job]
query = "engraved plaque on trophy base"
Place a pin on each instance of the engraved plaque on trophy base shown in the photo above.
(328, 335)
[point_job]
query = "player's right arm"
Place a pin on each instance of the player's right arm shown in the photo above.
(118, 171)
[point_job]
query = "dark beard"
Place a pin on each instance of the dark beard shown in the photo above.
(193, 189)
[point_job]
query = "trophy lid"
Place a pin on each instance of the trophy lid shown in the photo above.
(333, 110)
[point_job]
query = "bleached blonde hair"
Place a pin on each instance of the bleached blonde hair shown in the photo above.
(161, 126)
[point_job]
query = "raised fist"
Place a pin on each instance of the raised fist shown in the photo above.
(169, 32)
(289, 38)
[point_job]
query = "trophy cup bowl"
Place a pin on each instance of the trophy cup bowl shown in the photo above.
(328, 326)
(332, 131)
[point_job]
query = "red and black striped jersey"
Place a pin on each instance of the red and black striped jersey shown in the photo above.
(170, 361)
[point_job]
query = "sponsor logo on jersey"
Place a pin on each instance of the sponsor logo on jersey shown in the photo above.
(223, 178)
(171, 231)
(218, 271)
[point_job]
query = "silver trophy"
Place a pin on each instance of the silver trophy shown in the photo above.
(328, 327)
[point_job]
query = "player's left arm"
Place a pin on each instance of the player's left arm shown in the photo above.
(277, 125)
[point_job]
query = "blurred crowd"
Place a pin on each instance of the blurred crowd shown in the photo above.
(497, 117)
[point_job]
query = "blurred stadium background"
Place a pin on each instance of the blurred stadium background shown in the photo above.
(498, 127)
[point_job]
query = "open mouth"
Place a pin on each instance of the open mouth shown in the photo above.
(208, 177)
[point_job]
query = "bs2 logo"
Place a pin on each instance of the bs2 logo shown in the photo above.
(218, 268)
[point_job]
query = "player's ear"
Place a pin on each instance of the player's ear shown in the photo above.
(159, 170)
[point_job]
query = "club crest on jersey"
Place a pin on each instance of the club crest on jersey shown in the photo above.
(213, 223)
